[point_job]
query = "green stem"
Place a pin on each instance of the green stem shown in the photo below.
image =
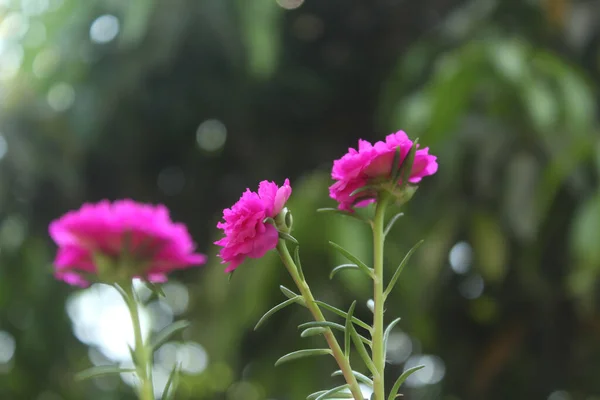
(342, 361)
(378, 298)
(143, 354)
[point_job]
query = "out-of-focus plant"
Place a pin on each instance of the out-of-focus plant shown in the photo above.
(115, 243)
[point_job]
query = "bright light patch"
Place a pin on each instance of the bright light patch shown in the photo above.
(211, 135)
(432, 372)
(7, 347)
(104, 29)
(460, 257)
(61, 97)
(100, 318)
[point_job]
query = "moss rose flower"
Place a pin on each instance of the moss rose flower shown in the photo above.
(372, 164)
(246, 232)
(120, 240)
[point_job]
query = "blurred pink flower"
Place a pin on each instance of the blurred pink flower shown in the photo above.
(373, 164)
(139, 237)
(246, 233)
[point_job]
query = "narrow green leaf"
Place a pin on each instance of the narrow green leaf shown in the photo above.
(313, 331)
(331, 325)
(288, 237)
(347, 339)
(274, 310)
(360, 377)
(354, 259)
(343, 395)
(172, 382)
(269, 220)
(298, 263)
(394, 171)
(400, 268)
(122, 292)
(386, 334)
(230, 276)
(321, 324)
(343, 314)
(302, 354)
(331, 392)
(342, 267)
(102, 370)
(156, 289)
(407, 165)
(362, 351)
(288, 293)
(167, 332)
(401, 380)
(360, 190)
(390, 224)
(132, 354)
(314, 395)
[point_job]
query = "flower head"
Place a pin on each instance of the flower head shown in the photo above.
(122, 239)
(246, 232)
(372, 164)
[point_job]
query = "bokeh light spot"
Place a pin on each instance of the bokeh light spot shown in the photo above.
(36, 35)
(460, 257)
(433, 371)
(290, 4)
(13, 26)
(12, 58)
(12, 232)
(34, 7)
(472, 287)
(3, 147)
(7, 347)
(161, 315)
(399, 347)
(191, 356)
(176, 296)
(45, 63)
(559, 395)
(211, 135)
(61, 96)
(100, 318)
(104, 29)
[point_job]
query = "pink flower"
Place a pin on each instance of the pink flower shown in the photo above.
(246, 233)
(372, 164)
(130, 235)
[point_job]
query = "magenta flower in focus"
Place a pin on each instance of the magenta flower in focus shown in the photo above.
(132, 239)
(246, 232)
(373, 164)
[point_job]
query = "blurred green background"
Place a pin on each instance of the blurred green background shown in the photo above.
(188, 102)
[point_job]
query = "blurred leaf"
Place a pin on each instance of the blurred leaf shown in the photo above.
(585, 233)
(260, 26)
(95, 372)
(490, 246)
